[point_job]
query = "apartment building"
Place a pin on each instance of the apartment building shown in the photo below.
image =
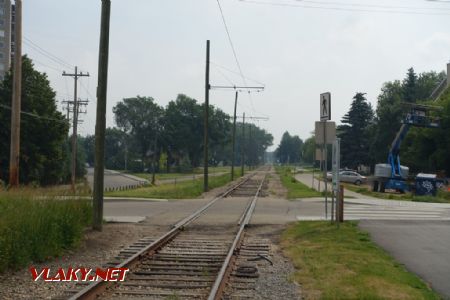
(6, 28)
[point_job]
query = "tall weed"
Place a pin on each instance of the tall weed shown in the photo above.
(33, 229)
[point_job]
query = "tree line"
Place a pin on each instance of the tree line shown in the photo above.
(146, 135)
(367, 133)
(44, 144)
(170, 138)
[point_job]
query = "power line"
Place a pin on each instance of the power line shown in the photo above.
(233, 49)
(47, 66)
(230, 40)
(368, 5)
(56, 70)
(439, 1)
(76, 106)
(237, 73)
(336, 8)
(35, 115)
(46, 53)
(66, 85)
(226, 77)
(86, 90)
(237, 87)
(64, 94)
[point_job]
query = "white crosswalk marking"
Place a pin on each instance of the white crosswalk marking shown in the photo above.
(381, 212)
(376, 209)
(361, 207)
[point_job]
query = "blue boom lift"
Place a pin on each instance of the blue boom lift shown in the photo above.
(393, 175)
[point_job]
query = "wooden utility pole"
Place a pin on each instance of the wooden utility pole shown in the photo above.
(237, 89)
(155, 142)
(234, 136)
(75, 123)
(243, 146)
(249, 148)
(206, 121)
(16, 99)
(100, 125)
(68, 110)
(325, 167)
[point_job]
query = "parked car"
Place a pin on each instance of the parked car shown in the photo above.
(349, 176)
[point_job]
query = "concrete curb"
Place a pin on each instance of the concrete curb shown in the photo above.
(132, 177)
(134, 199)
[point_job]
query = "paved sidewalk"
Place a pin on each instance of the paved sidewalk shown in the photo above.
(422, 246)
(306, 178)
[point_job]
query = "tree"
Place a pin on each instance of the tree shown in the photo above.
(183, 130)
(88, 143)
(425, 149)
(289, 150)
(427, 82)
(390, 111)
(180, 134)
(258, 140)
(410, 86)
(388, 119)
(309, 147)
(43, 129)
(141, 118)
(80, 168)
(354, 133)
(220, 136)
(419, 87)
(117, 143)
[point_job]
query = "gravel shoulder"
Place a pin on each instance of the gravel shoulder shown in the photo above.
(275, 281)
(95, 249)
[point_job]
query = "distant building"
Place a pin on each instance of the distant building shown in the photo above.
(6, 36)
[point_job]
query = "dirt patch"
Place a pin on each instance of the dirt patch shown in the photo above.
(95, 250)
(276, 188)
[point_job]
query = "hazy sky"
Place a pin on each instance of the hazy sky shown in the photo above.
(157, 49)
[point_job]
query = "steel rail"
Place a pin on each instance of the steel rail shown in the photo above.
(225, 271)
(94, 289)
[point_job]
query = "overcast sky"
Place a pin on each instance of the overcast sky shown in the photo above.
(296, 49)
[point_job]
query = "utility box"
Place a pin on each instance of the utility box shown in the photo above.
(426, 184)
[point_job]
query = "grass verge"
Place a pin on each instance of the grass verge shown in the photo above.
(295, 188)
(441, 197)
(195, 172)
(161, 176)
(33, 229)
(344, 263)
(182, 190)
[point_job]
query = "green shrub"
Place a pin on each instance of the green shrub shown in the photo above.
(443, 194)
(33, 229)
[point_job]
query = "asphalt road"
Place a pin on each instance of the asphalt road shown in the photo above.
(422, 246)
(416, 234)
(114, 179)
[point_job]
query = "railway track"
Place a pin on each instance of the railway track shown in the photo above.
(191, 261)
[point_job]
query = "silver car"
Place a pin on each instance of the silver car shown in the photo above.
(349, 176)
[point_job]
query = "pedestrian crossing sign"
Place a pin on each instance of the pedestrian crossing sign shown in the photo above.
(325, 106)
